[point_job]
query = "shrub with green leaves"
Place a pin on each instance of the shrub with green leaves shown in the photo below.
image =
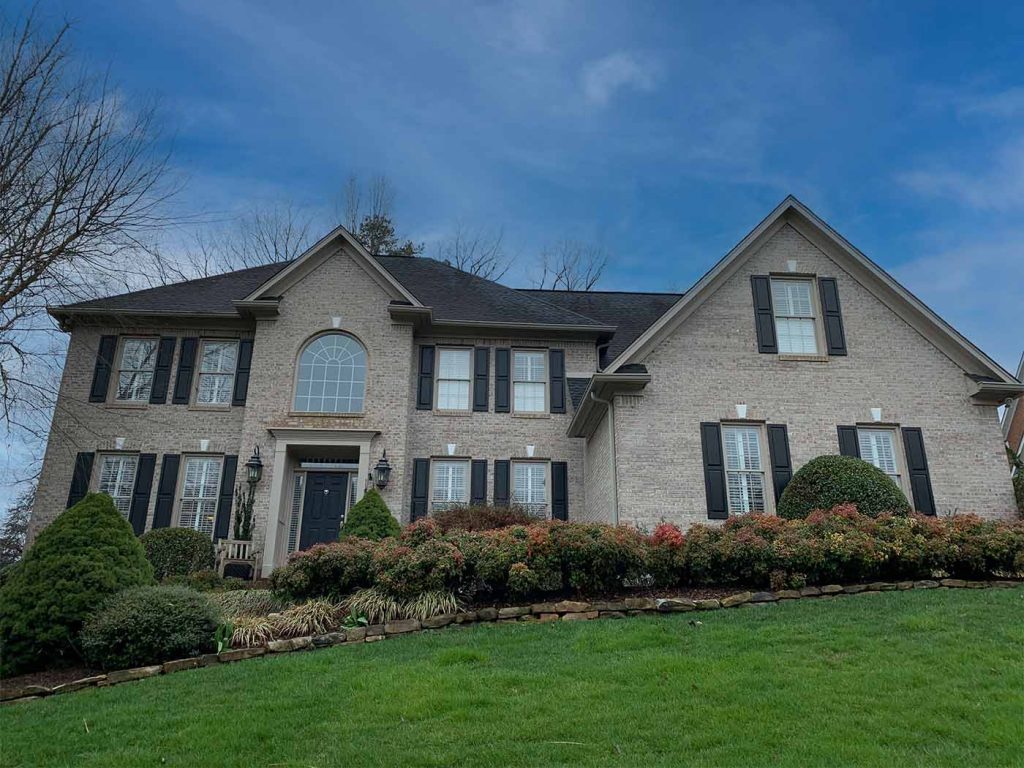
(405, 571)
(481, 517)
(326, 570)
(87, 554)
(828, 481)
(1018, 490)
(177, 551)
(150, 625)
(370, 518)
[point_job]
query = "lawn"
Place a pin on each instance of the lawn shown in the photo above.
(927, 678)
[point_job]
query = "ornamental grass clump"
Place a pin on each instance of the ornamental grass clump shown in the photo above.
(250, 602)
(252, 631)
(314, 617)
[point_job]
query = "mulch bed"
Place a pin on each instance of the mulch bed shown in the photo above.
(49, 677)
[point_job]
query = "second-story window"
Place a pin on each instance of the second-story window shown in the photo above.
(793, 302)
(135, 370)
(216, 372)
(331, 376)
(453, 379)
(529, 381)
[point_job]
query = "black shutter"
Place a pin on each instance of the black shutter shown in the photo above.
(848, 445)
(186, 364)
(242, 372)
(420, 484)
(425, 385)
(917, 467)
(714, 470)
(764, 318)
(502, 382)
(559, 490)
(835, 337)
(556, 359)
(478, 482)
(222, 525)
(782, 463)
(101, 373)
(165, 490)
(140, 496)
(162, 370)
(501, 472)
(80, 477)
(481, 377)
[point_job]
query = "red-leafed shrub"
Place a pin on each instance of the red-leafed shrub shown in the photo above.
(326, 570)
(406, 571)
(598, 558)
(482, 518)
(665, 555)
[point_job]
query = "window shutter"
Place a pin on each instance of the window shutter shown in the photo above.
(425, 385)
(420, 485)
(162, 370)
(101, 373)
(140, 496)
(165, 490)
(501, 483)
(917, 468)
(559, 490)
(556, 358)
(242, 372)
(835, 337)
(478, 482)
(714, 470)
(782, 463)
(502, 365)
(222, 523)
(764, 318)
(80, 477)
(848, 445)
(481, 378)
(186, 364)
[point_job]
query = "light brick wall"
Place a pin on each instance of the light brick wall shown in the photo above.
(599, 480)
(711, 363)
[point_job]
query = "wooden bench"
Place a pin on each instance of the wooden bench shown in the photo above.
(233, 552)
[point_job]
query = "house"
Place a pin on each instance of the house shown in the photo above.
(627, 408)
(1013, 421)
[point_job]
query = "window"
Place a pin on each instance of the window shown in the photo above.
(878, 447)
(449, 487)
(135, 372)
(117, 479)
(453, 377)
(529, 382)
(332, 375)
(199, 493)
(530, 488)
(744, 469)
(792, 301)
(217, 372)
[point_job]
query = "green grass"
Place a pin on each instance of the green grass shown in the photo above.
(930, 678)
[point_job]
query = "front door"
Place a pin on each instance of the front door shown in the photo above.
(323, 508)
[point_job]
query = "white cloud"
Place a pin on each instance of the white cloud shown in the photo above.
(606, 76)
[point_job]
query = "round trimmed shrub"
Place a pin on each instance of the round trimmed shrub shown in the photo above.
(370, 518)
(829, 481)
(150, 625)
(178, 551)
(87, 554)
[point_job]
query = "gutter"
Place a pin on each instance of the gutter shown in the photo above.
(610, 406)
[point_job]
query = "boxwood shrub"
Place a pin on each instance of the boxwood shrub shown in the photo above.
(828, 481)
(177, 551)
(370, 518)
(150, 625)
(87, 554)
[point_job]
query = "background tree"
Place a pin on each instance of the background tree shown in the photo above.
(475, 251)
(14, 529)
(367, 212)
(571, 265)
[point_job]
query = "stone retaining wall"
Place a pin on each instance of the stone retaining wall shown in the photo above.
(564, 610)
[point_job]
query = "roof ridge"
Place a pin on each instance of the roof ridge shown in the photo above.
(630, 293)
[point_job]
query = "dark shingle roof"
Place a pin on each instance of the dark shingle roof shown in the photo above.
(577, 386)
(631, 313)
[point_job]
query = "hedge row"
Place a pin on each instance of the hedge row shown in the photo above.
(549, 558)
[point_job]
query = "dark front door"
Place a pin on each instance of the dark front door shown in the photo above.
(323, 508)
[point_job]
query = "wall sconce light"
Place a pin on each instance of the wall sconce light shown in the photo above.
(254, 467)
(876, 414)
(741, 410)
(382, 472)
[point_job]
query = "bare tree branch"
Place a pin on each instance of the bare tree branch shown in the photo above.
(570, 265)
(477, 252)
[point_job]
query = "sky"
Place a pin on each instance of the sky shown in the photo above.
(663, 132)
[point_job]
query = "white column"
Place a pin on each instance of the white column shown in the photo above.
(274, 523)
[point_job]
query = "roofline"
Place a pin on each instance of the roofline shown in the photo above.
(610, 384)
(624, 293)
(598, 329)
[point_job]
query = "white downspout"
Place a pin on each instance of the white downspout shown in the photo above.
(610, 407)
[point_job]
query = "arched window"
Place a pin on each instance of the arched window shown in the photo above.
(332, 375)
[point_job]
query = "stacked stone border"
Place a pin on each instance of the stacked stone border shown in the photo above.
(563, 610)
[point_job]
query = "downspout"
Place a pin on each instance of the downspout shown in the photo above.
(609, 406)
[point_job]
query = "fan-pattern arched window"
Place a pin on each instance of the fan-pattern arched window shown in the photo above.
(332, 375)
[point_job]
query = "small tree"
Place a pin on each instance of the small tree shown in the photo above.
(370, 518)
(243, 512)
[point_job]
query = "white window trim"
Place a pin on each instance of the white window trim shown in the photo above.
(180, 495)
(97, 483)
(545, 354)
(547, 482)
(118, 367)
(767, 483)
(467, 464)
(819, 321)
(438, 379)
(199, 372)
(293, 404)
(899, 454)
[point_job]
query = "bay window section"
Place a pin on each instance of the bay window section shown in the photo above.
(117, 479)
(217, 372)
(453, 379)
(201, 486)
(135, 370)
(744, 468)
(449, 486)
(529, 381)
(795, 325)
(530, 488)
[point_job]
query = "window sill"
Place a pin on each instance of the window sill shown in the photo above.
(531, 415)
(326, 415)
(116, 404)
(215, 408)
(804, 358)
(440, 412)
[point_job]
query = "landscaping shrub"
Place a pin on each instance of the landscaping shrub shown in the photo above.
(665, 555)
(1018, 490)
(88, 553)
(150, 625)
(326, 570)
(405, 571)
(598, 558)
(251, 631)
(829, 481)
(482, 518)
(378, 607)
(249, 602)
(177, 551)
(370, 518)
(310, 618)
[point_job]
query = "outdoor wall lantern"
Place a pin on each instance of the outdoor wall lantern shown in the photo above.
(382, 472)
(254, 467)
